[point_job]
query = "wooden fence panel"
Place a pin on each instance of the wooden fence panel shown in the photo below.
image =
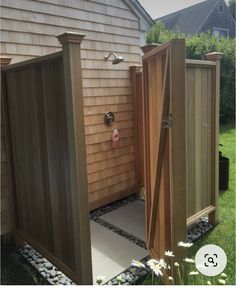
(45, 104)
(202, 141)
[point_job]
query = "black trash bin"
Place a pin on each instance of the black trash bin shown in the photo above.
(223, 172)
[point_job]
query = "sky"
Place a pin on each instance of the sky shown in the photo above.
(158, 8)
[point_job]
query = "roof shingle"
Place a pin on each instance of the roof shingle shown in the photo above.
(190, 19)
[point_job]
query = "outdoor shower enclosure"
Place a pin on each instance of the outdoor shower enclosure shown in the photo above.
(44, 114)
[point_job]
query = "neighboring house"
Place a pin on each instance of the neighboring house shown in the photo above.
(29, 28)
(210, 15)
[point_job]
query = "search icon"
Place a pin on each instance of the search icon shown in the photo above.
(210, 260)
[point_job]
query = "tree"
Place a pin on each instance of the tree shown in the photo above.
(232, 7)
(197, 46)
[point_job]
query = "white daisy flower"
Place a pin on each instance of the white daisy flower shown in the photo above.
(157, 270)
(187, 260)
(152, 263)
(193, 273)
(162, 264)
(137, 264)
(100, 279)
(221, 281)
(208, 283)
(176, 264)
(156, 266)
(169, 254)
(223, 275)
(171, 279)
(184, 245)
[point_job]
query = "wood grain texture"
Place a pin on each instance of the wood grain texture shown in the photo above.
(157, 89)
(216, 57)
(164, 91)
(8, 213)
(200, 90)
(178, 157)
(137, 88)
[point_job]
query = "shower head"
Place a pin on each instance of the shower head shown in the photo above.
(117, 59)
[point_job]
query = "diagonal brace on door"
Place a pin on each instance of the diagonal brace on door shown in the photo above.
(160, 153)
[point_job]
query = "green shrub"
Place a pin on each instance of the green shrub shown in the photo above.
(197, 47)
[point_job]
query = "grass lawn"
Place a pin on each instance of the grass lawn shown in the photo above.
(223, 234)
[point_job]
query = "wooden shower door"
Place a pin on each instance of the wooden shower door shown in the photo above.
(165, 147)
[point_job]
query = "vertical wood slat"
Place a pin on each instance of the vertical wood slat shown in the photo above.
(54, 151)
(190, 91)
(198, 144)
(215, 56)
(12, 90)
(43, 164)
(210, 114)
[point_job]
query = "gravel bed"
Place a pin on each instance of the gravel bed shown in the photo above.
(44, 267)
(132, 275)
(196, 231)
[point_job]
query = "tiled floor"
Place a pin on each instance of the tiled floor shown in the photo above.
(130, 218)
(112, 253)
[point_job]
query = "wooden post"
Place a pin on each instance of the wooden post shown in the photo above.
(4, 61)
(136, 77)
(78, 168)
(7, 236)
(214, 216)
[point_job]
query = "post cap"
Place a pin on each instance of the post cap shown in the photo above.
(146, 48)
(70, 37)
(4, 61)
(214, 56)
(136, 68)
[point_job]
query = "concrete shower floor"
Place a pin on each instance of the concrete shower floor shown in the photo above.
(117, 236)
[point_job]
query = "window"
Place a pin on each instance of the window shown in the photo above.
(221, 8)
(220, 32)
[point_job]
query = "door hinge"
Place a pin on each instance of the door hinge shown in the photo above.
(167, 122)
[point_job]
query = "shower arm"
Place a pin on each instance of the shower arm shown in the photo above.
(110, 54)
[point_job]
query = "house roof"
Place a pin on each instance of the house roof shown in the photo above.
(190, 19)
(147, 21)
